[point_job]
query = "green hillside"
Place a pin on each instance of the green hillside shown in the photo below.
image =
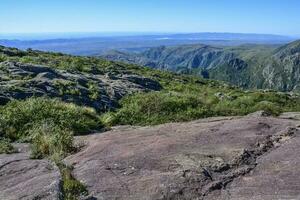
(247, 66)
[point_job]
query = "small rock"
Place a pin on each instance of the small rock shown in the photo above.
(260, 113)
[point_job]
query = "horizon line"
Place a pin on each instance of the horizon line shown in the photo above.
(141, 32)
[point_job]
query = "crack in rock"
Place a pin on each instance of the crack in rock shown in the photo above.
(246, 161)
(199, 183)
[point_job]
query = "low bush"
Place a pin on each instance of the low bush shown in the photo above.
(156, 108)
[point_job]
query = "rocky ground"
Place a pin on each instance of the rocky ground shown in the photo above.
(220, 158)
(100, 91)
(24, 178)
(252, 157)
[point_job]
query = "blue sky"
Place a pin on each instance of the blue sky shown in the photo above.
(247, 16)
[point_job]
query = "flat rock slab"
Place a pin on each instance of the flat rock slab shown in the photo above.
(27, 179)
(217, 158)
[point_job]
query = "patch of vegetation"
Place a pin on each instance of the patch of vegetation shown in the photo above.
(18, 118)
(93, 90)
(48, 139)
(72, 189)
(2, 58)
(185, 103)
(66, 87)
(48, 124)
(6, 146)
(157, 108)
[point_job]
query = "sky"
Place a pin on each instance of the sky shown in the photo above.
(165, 16)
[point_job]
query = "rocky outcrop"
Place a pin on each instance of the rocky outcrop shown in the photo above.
(27, 179)
(100, 91)
(253, 157)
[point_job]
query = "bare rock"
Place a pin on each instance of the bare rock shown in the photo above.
(216, 158)
(260, 113)
(27, 179)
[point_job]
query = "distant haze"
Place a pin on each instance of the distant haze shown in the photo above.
(68, 35)
(98, 43)
(158, 35)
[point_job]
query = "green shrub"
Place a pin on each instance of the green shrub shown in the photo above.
(18, 118)
(2, 58)
(156, 108)
(6, 146)
(66, 87)
(93, 90)
(49, 139)
(268, 106)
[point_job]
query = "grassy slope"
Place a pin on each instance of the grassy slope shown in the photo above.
(183, 98)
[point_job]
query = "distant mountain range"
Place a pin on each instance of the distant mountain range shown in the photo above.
(249, 66)
(94, 44)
